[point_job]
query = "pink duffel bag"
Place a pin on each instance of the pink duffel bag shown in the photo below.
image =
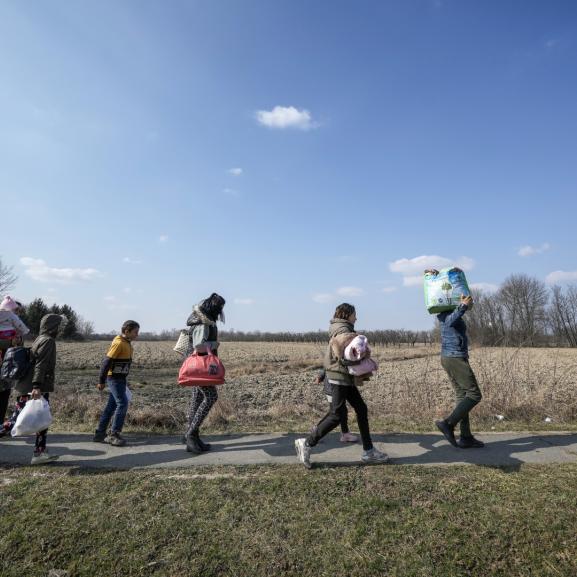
(201, 370)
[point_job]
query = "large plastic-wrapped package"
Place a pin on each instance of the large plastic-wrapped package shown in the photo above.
(443, 291)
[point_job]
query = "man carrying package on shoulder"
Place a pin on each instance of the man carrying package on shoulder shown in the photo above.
(455, 361)
(39, 380)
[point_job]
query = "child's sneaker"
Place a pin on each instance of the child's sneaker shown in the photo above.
(375, 456)
(303, 452)
(349, 438)
(43, 457)
(115, 439)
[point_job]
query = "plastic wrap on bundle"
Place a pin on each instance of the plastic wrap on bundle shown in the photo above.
(443, 291)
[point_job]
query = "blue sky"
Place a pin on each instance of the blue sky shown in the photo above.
(289, 155)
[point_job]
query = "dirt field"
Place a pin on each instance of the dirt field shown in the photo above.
(270, 386)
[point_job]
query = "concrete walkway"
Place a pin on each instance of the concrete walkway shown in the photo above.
(502, 449)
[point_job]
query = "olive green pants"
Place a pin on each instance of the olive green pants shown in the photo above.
(467, 392)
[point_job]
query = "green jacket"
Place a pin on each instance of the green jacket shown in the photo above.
(335, 369)
(43, 353)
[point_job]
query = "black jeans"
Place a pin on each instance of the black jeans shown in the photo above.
(4, 400)
(341, 395)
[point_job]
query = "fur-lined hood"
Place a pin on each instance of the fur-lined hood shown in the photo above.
(197, 317)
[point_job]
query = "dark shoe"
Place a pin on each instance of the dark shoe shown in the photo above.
(115, 439)
(470, 443)
(204, 446)
(99, 437)
(448, 431)
(192, 445)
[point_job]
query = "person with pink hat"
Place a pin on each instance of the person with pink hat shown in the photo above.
(12, 329)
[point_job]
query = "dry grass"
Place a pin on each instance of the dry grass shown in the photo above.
(270, 386)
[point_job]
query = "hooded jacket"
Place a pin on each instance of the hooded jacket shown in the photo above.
(43, 354)
(336, 369)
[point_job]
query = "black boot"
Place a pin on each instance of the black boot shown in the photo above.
(192, 444)
(203, 446)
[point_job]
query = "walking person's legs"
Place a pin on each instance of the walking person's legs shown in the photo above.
(41, 455)
(346, 435)
(115, 411)
(467, 395)
(202, 402)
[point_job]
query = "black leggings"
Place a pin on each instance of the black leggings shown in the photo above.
(203, 398)
(341, 395)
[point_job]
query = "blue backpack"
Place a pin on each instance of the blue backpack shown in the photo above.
(16, 363)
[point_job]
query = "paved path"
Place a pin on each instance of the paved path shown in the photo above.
(502, 449)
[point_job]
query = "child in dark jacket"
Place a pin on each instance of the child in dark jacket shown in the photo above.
(39, 381)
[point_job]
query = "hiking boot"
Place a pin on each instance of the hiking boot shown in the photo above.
(43, 457)
(303, 452)
(203, 446)
(115, 439)
(192, 445)
(470, 443)
(349, 438)
(448, 431)
(99, 437)
(375, 456)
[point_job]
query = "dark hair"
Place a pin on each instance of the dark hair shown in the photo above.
(129, 326)
(344, 311)
(212, 306)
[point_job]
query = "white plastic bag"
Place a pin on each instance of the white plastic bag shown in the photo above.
(34, 417)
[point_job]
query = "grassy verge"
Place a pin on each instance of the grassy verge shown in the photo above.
(354, 521)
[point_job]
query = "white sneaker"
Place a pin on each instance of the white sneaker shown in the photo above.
(375, 456)
(303, 452)
(44, 457)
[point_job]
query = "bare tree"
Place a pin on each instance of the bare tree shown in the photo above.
(563, 314)
(7, 278)
(524, 300)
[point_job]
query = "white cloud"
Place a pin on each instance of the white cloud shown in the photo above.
(285, 117)
(129, 260)
(127, 290)
(110, 299)
(350, 291)
(323, 298)
(561, 277)
(163, 238)
(231, 192)
(235, 171)
(243, 301)
(528, 250)
(389, 289)
(38, 270)
(412, 268)
(486, 287)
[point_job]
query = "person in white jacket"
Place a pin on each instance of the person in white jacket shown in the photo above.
(12, 329)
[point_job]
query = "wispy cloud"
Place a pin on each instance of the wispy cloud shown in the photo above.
(323, 298)
(129, 260)
(231, 192)
(243, 301)
(286, 117)
(412, 268)
(38, 270)
(528, 250)
(235, 171)
(389, 289)
(350, 291)
(163, 238)
(561, 277)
